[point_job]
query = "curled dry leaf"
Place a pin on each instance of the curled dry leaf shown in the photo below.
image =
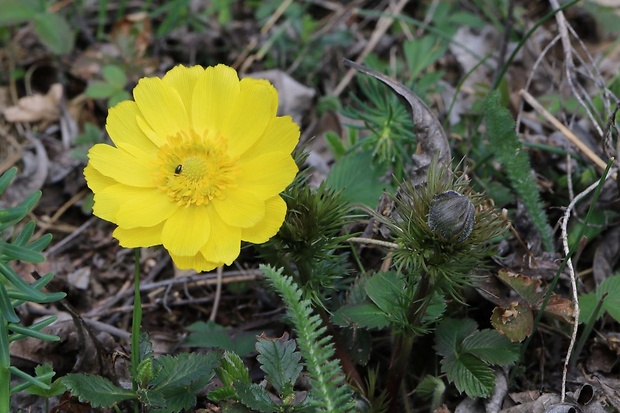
(431, 137)
(37, 107)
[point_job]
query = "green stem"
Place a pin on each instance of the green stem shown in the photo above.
(135, 328)
(5, 364)
(403, 341)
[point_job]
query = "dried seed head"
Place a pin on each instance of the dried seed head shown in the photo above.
(451, 216)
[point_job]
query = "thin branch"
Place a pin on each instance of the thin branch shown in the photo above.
(573, 281)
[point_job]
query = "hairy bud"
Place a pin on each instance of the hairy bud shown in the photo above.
(451, 216)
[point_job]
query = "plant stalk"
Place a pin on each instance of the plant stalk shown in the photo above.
(5, 381)
(403, 341)
(135, 328)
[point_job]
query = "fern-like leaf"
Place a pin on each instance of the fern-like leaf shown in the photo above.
(329, 392)
(510, 153)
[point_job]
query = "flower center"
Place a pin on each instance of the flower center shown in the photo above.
(195, 169)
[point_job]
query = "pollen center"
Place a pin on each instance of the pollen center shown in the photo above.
(194, 169)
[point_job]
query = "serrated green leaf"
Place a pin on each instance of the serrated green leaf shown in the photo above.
(54, 32)
(280, 362)
(255, 397)
(387, 290)
(431, 388)
(435, 309)
(114, 75)
(470, 374)
(205, 335)
(232, 369)
(99, 90)
(515, 322)
(364, 315)
(451, 332)
(146, 347)
(45, 373)
(359, 179)
(183, 369)
(96, 390)
(491, 347)
(17, 11)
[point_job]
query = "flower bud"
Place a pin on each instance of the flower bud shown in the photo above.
(451, 216)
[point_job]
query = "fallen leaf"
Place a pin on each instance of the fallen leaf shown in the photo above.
(37, 107)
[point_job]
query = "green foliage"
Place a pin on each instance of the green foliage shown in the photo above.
(390, 137)
(97, 390)
(84, 141)
(167, 383)
(469, 353)
(16, 245)
(421, 250)
(390, 297)
(53, 29)
(307, 242)
(511, 155)
(358, 179)
(281, 364)
(205, 335)
(112, 87)
(608, 292)
(329, 392)
(44, 374)
(431, 388)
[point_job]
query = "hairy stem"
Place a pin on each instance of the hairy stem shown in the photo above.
(403, 341)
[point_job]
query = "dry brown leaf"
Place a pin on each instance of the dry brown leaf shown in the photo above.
(37, 107)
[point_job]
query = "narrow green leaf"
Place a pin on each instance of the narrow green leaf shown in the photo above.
(54, 32)
(6, 308)
(491, 347)
(24, 236)
(33, 381)
(451, 332)
(280, 362)
(587, 305)
(96, 390)
(470, 375)
(364, 315)
(34, 327)
(15, 252)
(20, 284)
(7, 177)
(41, 243)
(27, 331)
(5, 358)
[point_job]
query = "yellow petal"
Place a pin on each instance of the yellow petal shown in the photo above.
(144, 208)
(108, 201)
(96, 180)
(275, 210)
(224, 244)
(213, 98)
(255, 107)
(195, 262)
(122, 125)
(187, 230)
(121, 166)
(139, 237)
(268, 174)
(240, 208)
(282, 135)
(161, 106)
(183, 80)
(158, 139)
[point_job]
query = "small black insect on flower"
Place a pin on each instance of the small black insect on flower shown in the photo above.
(178, 169)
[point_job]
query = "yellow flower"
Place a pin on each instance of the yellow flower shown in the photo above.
(199, 161)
